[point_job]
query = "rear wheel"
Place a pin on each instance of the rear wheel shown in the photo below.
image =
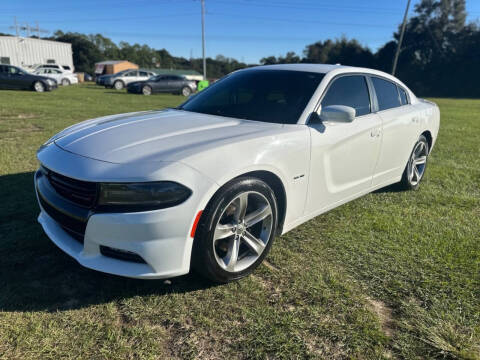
(118, 85)
(186, 91)
(38, 86)
(236, 230)
(65, 82)
(146, 90)
(416, 166)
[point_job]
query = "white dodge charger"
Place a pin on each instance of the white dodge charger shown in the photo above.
(208, 185)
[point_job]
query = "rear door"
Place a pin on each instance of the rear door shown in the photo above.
(175, 83)
(344, 155)
(398, 120)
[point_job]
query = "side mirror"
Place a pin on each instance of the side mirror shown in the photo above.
(338, 113)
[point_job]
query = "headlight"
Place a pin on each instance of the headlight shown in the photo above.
(142, 196)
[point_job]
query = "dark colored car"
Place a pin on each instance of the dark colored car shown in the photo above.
(163, 84)
(87, 77)
(12, 77)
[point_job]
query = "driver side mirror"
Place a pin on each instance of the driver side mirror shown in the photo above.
(338, 113)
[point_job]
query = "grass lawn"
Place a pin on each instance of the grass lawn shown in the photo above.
(390, 275)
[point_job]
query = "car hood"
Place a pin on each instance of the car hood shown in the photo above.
(167, 135)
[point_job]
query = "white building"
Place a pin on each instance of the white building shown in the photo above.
(28, 52)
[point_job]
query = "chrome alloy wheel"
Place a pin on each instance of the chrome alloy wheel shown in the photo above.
(39, 87)
(418, 161)
(242, 231)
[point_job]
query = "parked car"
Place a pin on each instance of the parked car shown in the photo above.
(163, 84)
(53, 66)
(121, 79)
(87, 77)
(62, 77)
(12, 77)
(211, 183)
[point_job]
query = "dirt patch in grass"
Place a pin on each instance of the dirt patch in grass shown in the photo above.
(384, 314)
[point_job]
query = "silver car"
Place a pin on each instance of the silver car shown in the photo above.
(121, 79)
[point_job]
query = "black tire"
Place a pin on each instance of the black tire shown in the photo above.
(186, 91)
(203, 256)
(38, 86)
(118, 85)
(408, 181)
(146, 90)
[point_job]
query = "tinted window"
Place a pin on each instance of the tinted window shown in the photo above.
(143, 73)
(3, 69)
(131, 73)
(277, 96)
(349, 91)
(387, 94)
(403, 96)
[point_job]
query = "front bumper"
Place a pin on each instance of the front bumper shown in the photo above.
(50, 87)
(161, 238)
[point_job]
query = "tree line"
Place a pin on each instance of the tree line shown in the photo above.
(440, 53)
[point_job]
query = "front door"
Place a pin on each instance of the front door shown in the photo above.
(343, 155)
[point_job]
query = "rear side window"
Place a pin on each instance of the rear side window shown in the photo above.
(403, 96)
(143, 73)
(387, 94)
(349, 91)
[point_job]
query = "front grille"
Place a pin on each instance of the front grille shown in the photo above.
(74, 227)
(82, 193)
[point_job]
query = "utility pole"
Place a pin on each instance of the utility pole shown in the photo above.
(15, 26)
(401, 38)
(203, 41)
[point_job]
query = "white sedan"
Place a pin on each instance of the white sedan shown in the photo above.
(208, 185)
(61, 76)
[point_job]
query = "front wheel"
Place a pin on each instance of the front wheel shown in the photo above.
(236, 230)
(38, 86)
(65, 82)
(416, 166)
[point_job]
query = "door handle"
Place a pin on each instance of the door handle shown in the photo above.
(375, 133)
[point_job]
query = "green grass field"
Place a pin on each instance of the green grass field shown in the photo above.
(390, 275)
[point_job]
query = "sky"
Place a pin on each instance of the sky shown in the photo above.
(243, 29)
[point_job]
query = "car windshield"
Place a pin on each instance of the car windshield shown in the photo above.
(276, 96)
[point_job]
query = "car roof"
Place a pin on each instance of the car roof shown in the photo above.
(320, 68)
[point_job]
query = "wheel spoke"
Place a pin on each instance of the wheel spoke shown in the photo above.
(421, 160)
(223, 231)
(232, 255)
(257, 216)
(242, 203)
(255, 244)
(417, 175)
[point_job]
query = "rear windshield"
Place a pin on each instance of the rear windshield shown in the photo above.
(277, 96)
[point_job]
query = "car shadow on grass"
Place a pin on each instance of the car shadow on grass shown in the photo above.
(37, 276)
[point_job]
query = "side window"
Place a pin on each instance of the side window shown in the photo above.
(143, 73)
(349, 91)
(131, 73)
(403, 96)
(387, 94)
